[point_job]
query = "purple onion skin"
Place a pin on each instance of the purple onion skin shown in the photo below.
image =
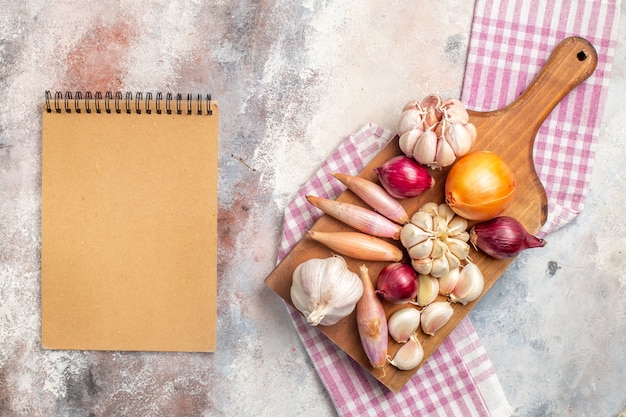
(403, 177)
(503, 237)
(397, 283)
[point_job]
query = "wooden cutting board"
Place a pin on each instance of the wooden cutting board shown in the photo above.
(509, 132)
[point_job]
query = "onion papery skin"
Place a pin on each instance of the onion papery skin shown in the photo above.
(397, 283)
(403, 177)
(480, 186)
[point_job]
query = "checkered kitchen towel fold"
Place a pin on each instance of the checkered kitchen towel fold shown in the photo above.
(510, 40)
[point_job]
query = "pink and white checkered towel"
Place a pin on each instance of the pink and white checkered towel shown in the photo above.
(510, 40)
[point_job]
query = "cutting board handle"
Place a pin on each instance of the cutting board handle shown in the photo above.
(573, 60)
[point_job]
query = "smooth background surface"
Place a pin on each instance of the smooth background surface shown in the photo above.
(292, 80)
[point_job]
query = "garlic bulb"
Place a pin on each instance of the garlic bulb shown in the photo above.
(325, 290)
(435, 133)
(435, 239)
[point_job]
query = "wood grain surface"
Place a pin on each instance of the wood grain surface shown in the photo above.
(510, 132)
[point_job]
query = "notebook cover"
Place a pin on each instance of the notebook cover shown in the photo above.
(128, 231)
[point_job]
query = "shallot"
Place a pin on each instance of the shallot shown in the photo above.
(372, 323)
(375, 196)
(358, 245)
(360, 218)
(397, 283)
(503, 237)
(403, 177)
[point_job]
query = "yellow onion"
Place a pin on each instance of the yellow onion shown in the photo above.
(479, 186)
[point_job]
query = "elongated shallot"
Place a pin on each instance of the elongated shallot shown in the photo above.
(358, 245)
(372, 323)
(360, 218)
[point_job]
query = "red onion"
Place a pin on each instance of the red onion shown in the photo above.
(403, 177)
(503, 237)
(397, 283)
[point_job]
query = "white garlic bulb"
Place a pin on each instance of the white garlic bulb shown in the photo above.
(435, 133)
(435, 239)
(325, 290)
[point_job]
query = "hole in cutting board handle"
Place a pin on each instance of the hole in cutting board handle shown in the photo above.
(582, 55)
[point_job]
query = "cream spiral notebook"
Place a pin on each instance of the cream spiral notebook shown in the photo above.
(129, 222)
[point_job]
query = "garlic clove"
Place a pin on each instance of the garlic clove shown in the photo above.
(412, 104)
(457, 225)
(446, 213)
(428, 289)
(473, 132)
(453, 261)
(423, 265)
(408, 140)
(470, 285)
(448, 281)
(459, 248)
(440, 267)
(425, 149)
(423, 220)
(435, 315)
(454, 111)
(409, 355)
(403, 323)
(431, 105)
(464, 236)
(423, 249)
(439, 226)
(437, 249)
(431, 101)
(412, 117)
(445, 154)
(411, 235)
(460, 137)
(431, 208)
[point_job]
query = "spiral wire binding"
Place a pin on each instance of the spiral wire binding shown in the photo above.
(127, 102)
